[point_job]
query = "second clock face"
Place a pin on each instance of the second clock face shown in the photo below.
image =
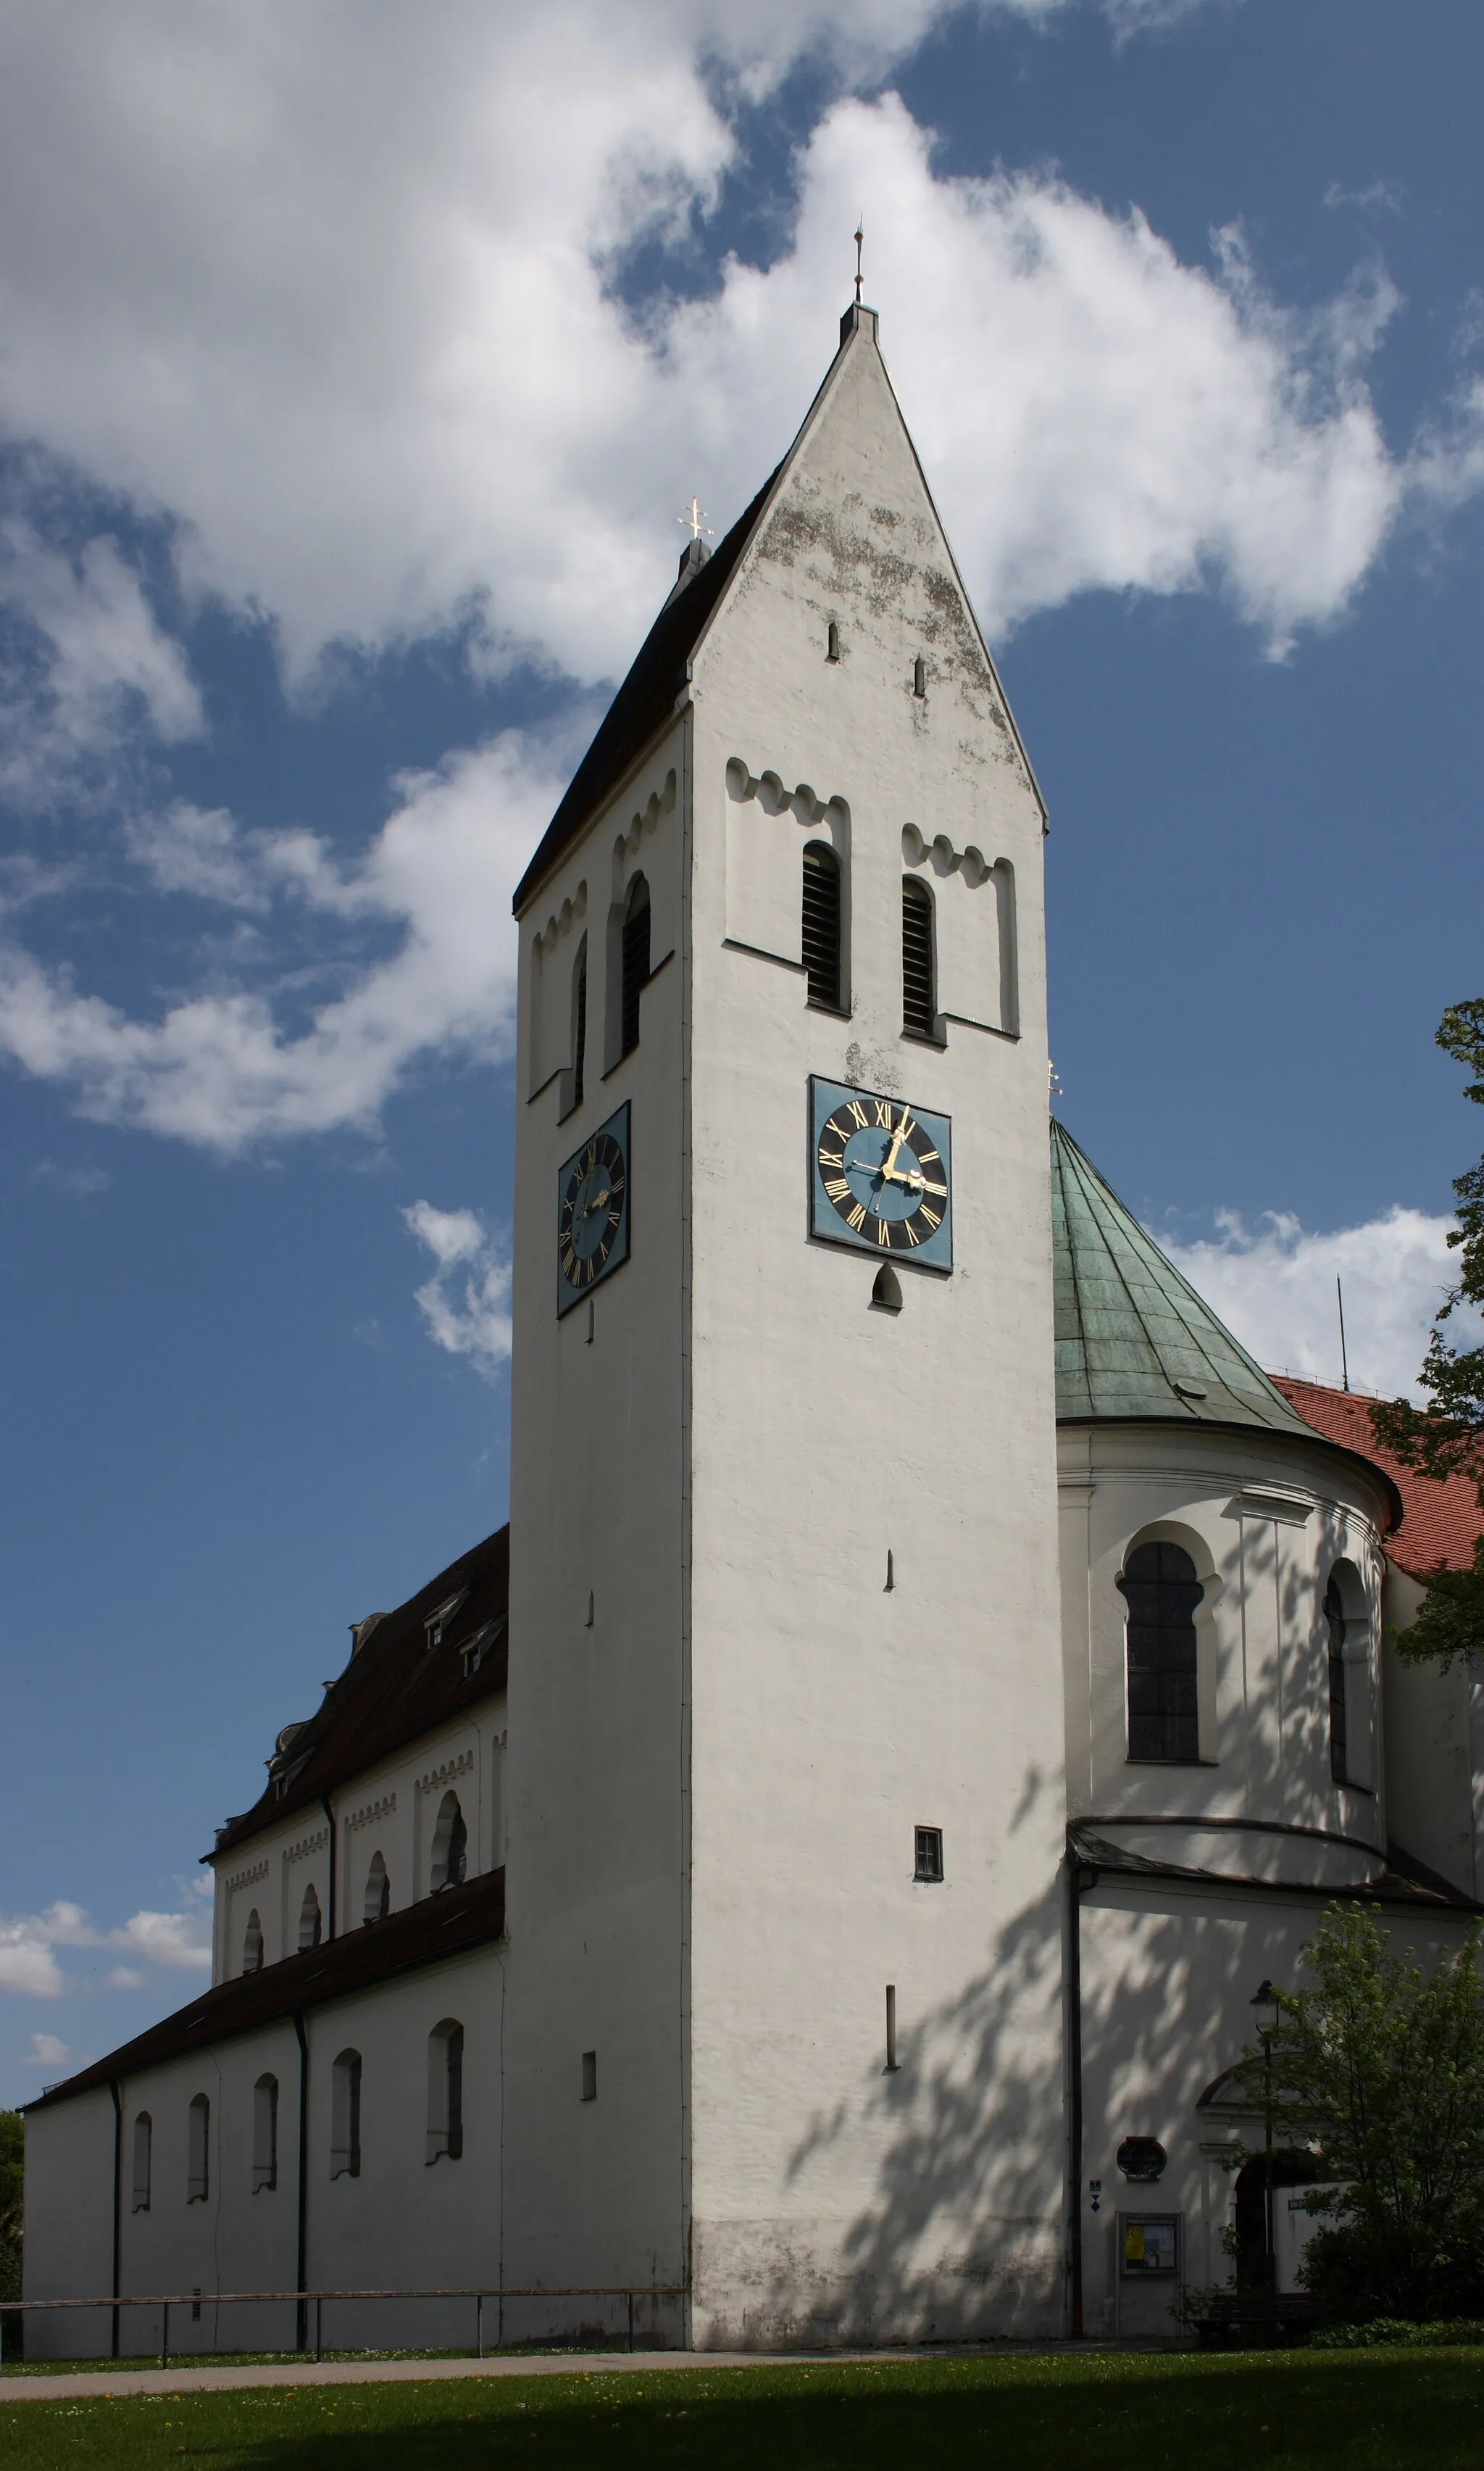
(592, 1210)
(881, 1174)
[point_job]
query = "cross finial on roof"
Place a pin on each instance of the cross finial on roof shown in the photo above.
(859, 242)
(695, 517)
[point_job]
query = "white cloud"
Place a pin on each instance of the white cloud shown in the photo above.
(1274, 1287)
(181, 1939)
(104, 668)
(387, 375)
(466, 1302)
(219, 1069)
(47, 2050)
(126, 1977)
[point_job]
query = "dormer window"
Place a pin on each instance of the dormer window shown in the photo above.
(436, 1623)
(474, 1650)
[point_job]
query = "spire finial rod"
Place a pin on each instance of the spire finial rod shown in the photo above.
(859, 242)
(694, 519)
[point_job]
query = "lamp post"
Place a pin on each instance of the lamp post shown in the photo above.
(1266, 2002)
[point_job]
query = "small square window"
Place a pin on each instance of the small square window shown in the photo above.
(590, 2075)
(930, 1853)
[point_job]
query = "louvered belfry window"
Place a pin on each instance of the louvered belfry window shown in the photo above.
(635, 961)
(1162, 1590)
(919, 1002)
(822, 923)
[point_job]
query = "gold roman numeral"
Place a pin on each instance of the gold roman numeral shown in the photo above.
(930, 1215)
(883, 1233)
(926, 1155)
(911, 1237)
(856, 1109)
(831, 1157)
(857, 1218)
(882, 1108)
(838, 1187)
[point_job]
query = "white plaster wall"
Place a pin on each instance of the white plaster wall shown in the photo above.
(1434, 1751)
(392, 1808)
(594, 1768)
(403, 2223)
(1264, 1519)
(69, 2224)
(1168, 1978)
(830, 1718)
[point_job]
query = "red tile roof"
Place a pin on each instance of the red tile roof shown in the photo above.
(1440, 1521)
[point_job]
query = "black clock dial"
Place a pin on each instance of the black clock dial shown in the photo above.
(882, 1173)
(590, 1215)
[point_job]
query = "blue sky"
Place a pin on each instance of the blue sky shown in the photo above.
(356, 362)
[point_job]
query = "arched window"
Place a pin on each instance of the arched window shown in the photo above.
(449, 1845)
(311, 1919)
(265, 2134)
(198, 2150)
(919, 994)
(1340, 1714)
(378, 1904)
(252, 1944)
(635, 962)
(446, 2090)
(1346, 1622)
(1162, 1590)
(144, 2140)
(886, 1290)
(346, 2117)
(822, 923)
(579, 1020)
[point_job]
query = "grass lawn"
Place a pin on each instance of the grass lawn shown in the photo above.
(1355, 2410)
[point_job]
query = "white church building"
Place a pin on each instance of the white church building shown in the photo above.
(812, 1869)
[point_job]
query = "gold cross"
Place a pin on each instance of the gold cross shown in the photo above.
(859, 242)
(695, 517)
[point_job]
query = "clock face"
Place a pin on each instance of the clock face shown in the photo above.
(592, 1212)
(880, 1174)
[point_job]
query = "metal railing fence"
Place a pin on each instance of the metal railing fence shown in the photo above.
(117, 2301)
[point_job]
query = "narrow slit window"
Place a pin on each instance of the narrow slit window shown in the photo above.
(1339, 1709)
(891, 2028)
(822, 923)
(378, 1900)
(144, 2144)
(346, 2117)
(930, 1854)
(919, 677)
(198, 2150)
(832, 642)
(311, 1919)
(446, 2090)
(635, 962)
(590, 2075)
(1161, 1591)
(252, 1944)
(264, 2134)
(919, 999)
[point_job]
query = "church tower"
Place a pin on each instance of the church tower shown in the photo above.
(784, 2019)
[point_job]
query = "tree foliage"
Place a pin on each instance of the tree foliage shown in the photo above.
(13, 2172)
(1447, 1436)
(1378, 2072)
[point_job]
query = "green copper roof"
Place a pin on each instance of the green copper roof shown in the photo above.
(1133, 1338)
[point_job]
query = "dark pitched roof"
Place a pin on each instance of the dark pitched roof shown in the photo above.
(396, 1687)
(1440, 1519)
(1400, 1880)
(422, 1934)
(647, 698)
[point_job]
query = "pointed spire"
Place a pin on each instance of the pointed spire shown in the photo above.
(1133, 1338)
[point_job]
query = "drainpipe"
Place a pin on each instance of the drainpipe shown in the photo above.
(301, 2330)
(324, 1803)
(118, 2204)
(1074, 1885)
